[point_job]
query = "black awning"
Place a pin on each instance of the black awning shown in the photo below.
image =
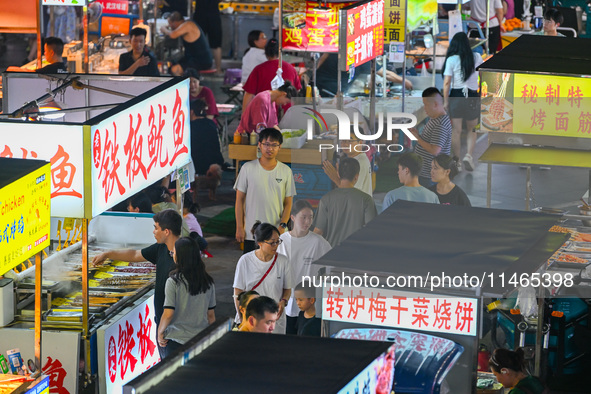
(412, 238)
(543, 54)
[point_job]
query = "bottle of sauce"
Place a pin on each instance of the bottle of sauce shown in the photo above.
(253, 138)
(237, 138)
(244, 139)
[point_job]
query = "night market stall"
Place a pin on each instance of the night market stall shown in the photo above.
(421, 274)
(104, 147)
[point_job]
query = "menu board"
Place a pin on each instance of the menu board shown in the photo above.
(544, 105)
(420, 12)
(311, 26)
(24, 217)
(394, 20)
(364, 33)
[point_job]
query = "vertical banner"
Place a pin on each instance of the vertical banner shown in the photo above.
(394, 17)
(364, 32)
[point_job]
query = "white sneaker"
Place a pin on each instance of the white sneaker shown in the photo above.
(468, 162)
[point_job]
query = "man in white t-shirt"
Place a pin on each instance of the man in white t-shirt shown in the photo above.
(264, 190)
(353, 149)
(495, 17)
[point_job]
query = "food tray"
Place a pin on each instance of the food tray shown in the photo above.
(294, 142)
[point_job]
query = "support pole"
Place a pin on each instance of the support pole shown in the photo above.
(85, 37)
(38, 309)
(527, 187)
(85, 315)
(372, 96)
(39, 54)
(488, 184)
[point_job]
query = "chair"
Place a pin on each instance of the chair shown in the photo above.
(567, 31)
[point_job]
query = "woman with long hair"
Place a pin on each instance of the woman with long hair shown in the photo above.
(460, 96)
(443, 169)
(189, 298)
(302, 247)
(265, 271)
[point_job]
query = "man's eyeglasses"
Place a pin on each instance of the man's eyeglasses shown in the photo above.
(272, 146)
(274, 243)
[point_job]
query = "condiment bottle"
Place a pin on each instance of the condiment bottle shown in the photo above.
(244, 139)
(253, 138)
(237, 138)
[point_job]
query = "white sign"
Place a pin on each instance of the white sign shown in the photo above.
(140, 145)
(59, 350)
(62, 146)
(401, 309)
(130, 346)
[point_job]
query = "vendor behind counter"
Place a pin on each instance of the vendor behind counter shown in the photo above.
(327, 72)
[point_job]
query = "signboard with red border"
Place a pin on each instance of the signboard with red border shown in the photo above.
(362, 30)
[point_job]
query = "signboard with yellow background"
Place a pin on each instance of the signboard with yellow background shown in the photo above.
(552, 105)
(24, 210)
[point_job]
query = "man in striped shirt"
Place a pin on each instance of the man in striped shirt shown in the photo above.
(436, 136)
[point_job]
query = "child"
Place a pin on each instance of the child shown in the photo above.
(190, 208)
(308, 324)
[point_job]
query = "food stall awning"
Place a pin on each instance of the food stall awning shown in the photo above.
(560, 56)
(237, 363)
(412, 238)
(18, 16)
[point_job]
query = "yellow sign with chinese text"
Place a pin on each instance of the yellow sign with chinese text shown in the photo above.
(552, 105)
(394, 20)
(24, 217)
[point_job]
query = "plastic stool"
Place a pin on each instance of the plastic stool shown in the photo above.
(233, 76)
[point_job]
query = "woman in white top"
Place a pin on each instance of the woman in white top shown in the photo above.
(460, 96)
(255, 54)
(302, 247)
(265, 271)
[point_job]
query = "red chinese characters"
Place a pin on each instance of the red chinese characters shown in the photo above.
(110, 164)
(464, 317)
(125, 346)
(133, 151)
(155, 137)
(442, 312)
(398, 308)
(56, 372)
(421, 306)
(178, 128)
(146, 345)
(335, 304)
(377, 306)
(112, 360)
(62, 174)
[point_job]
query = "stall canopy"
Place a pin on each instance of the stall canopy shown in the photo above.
(18, 16)
(525, 55)
(412, 238)
(253, 363)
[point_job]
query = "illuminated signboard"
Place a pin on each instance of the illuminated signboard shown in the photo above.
(377, 377)
(24, 215)
(64, 2)
(64, 150)
(363, 27)
(394, 17)
(420, 12)
(311, 26)
(130, 346)
(400, 309)
(140, 145)
(545, 105)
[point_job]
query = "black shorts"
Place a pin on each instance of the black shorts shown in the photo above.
(211, 24)
(187, 62)
(460, 107)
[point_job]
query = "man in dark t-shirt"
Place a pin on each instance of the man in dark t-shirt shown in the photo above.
(138, 61)
(53, 48)
(167, 230)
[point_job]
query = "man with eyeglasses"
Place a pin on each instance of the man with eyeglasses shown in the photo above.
(264, 190)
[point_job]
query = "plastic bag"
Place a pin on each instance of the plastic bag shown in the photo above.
(526, 301)
(278, 81)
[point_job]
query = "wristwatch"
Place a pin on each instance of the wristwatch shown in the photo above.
(283, 225)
